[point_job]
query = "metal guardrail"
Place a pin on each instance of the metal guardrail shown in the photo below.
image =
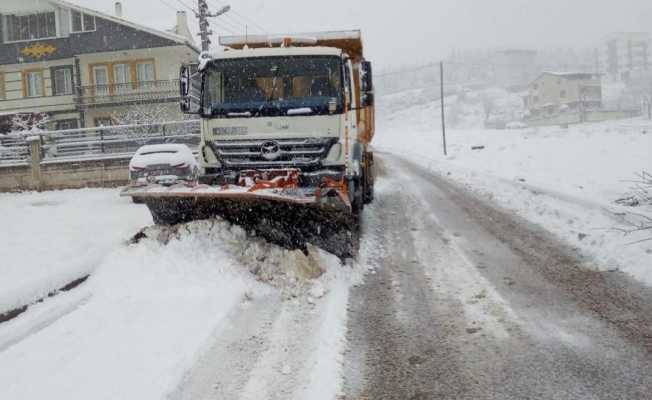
(98, 143)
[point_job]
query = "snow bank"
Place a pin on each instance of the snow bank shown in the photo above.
(152, 307)
(50, 239)
(566, 180)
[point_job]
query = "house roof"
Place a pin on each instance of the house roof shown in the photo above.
(166, 35)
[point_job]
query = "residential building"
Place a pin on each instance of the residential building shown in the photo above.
(84, 68)
(515, 68)
(557, 92)
(627, 55)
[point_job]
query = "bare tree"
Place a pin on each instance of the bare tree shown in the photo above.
(147, 118)
(29, 123)
(641, 194)
(489, 105)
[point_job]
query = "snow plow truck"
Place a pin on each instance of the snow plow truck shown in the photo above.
(286, 122)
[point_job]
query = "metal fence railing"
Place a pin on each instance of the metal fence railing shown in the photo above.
(98, 142)
(13, 150)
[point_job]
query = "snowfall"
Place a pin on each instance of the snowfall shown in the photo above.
(152, 307)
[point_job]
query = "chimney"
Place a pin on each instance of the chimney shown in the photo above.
(182, 26)
(118, 9)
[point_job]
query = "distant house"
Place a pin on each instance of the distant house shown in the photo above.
(515, 68)
(557, 92)
(627, 55)
(83, 68)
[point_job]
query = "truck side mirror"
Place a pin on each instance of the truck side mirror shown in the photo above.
(368, 99)
(190, 88)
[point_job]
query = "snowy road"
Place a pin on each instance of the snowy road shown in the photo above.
(470, 302)
(461, 300)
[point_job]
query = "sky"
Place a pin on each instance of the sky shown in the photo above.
(413, 32)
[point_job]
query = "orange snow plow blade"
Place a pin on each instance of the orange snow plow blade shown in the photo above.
(277, 209)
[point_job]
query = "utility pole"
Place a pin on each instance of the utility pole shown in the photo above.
(443, 116)
(203, 14)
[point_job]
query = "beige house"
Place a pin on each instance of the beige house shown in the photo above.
(84, 68)
(558, 92)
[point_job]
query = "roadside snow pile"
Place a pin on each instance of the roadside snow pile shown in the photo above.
(50, 239)
(566, 180)
(290, 271)
(153, 306)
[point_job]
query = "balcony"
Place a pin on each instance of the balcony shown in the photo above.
(128, 93)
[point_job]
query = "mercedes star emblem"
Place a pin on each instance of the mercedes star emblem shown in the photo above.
(270, 150)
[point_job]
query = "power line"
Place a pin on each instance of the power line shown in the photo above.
(168, 5)
(187, 6)
(243, 19)
(232, 25)
(222, 27)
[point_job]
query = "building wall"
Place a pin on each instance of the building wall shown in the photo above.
(69, 44)
(627, 55)
(120, 43)
(167, 60)
(66, 175)
(547, 91)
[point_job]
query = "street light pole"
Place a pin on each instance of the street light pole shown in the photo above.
(443, 113)
(204, 26)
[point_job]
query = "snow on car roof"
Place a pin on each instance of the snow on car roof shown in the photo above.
(161, 148)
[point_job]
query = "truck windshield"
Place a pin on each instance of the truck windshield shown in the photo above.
(274, 86)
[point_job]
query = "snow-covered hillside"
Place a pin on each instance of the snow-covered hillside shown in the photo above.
(566, 180)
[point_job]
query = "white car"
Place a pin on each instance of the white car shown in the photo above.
(164, 164)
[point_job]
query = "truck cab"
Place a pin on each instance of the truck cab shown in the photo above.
(291, 102)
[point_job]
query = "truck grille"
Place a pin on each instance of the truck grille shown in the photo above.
(273, 153)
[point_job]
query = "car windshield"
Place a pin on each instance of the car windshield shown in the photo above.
(271, 86)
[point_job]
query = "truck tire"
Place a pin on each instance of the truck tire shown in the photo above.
(357, 201)
(368, 179)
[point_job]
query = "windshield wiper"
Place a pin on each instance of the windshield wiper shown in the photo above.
(246, 114)
(300, 111)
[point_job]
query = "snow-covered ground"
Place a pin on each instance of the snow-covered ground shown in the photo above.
(151, 309)
(52, 238)
(566, 180)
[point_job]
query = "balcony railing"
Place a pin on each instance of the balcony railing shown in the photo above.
(120, 93)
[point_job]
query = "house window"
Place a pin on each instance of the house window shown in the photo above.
(103, 121)
(33, 81)
(31, 27)
(121, 74)
(145, 72)
(100, 74)
(562, 94)
(66, 124)
(82, 22)
(62, 81)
